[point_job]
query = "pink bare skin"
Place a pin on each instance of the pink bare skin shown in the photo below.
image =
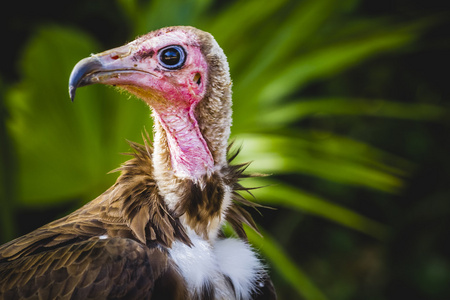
(172, 94)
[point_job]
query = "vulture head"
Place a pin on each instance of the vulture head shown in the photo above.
(183, 75)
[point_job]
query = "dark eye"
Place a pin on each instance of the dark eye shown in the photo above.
(172, 57)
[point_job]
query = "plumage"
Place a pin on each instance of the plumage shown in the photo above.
(155, 234)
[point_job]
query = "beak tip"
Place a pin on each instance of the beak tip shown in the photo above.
(72, 90)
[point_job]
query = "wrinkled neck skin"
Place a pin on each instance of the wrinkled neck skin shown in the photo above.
(190, 157)
(186, 150)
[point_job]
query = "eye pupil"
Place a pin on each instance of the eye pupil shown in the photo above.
(172, 57)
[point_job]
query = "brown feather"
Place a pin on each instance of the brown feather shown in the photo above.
(103, 269)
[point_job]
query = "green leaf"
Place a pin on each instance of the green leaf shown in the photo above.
(275, 193)
(293, 33)
(283, 115)
(327, 61)
(336, 159)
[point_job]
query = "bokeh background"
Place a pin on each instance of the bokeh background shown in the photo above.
(345, 103)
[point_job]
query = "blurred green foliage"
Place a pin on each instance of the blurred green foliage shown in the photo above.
(322, 103)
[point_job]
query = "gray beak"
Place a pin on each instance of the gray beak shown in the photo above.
(80, 75)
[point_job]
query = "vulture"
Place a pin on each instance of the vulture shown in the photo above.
(157, 232)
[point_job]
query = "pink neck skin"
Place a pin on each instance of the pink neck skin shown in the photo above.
(173, 98)
(190, 156)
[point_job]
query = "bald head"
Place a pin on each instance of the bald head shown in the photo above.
(183, 75)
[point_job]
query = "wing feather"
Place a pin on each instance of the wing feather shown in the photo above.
(116, 268)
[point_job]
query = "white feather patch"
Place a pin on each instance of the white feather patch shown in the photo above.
(205, 263)
(238, 261)
(197, 263)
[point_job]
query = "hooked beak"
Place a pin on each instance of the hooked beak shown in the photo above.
(82, 74)
(113, 67)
